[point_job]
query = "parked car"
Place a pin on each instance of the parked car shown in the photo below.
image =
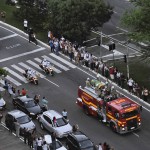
(48, 140)
(79, 141)
(20, 117)
(61, 127)
(27, 105)
(2, 104)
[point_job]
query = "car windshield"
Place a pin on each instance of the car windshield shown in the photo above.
(130, 114)
(58, 145)
(23, 119)
(61, 122)
(29, 104)
(85, 144)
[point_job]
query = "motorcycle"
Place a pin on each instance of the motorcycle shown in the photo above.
(47, 70)
(32, 79)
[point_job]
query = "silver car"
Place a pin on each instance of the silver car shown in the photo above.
(20, 117)
(61, 127)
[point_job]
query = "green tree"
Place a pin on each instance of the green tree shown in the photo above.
(3, 72)
(74, 19)
(35, 13)
(137, 20)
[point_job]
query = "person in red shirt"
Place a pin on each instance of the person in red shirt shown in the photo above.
(23, 92)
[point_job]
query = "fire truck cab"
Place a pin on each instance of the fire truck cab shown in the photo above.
(122, 114)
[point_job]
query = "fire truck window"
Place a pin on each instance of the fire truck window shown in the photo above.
(116, 114)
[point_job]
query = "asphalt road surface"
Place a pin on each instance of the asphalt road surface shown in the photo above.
(61, 90)
(114, 32)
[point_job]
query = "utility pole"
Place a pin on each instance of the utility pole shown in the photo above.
(128, 72)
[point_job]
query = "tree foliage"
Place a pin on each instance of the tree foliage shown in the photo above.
(35, 13)
(75, 18)
(138, 20)
(3, 72)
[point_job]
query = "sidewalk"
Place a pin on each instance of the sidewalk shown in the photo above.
(9, 141)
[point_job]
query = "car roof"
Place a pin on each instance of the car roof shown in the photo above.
(25, 98)
(17, 113)
(52, 113)
(79, 136)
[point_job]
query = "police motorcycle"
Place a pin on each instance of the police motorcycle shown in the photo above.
(32, 36)
(31, 76)
(46, 67)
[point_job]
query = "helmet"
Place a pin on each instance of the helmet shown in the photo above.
(88, 79)
(29, 69)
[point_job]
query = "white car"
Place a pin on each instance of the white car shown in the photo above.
(62, 128)
(59, 145)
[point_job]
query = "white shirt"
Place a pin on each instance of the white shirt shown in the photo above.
(39, 142)
(100, 147)
(45, 147)
(25, 23)
(64, 113)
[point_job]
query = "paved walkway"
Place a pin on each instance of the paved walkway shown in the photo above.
(9, 141)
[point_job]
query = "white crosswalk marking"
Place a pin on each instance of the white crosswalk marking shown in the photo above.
(13, 80)
(2, 82)
(26, 66)
(62, 60)
(18, 68)
(33, 64)
(55, 69)
(56, 63)
(16, 75)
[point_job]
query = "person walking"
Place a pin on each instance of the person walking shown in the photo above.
(37, 99)
(54, 140)
(25, 24)
(64, 113)
(39, 143)
(54, 121)
(44, 103)
(100, 146)
(17, 127)
(45, 146)
(145, 94)
(23, 92)
(24, 131)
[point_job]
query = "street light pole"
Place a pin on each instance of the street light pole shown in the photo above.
(128, 73)
(100, 47)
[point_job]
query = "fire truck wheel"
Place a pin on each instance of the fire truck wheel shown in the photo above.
(113, 126)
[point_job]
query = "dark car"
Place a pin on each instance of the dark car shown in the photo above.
(27, 105)
(20, 117)
(79, 141)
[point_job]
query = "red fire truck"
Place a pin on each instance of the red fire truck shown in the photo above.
(122, 114)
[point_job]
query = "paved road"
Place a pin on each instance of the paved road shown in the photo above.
(9, 141)
(114, 33)
(61, 91)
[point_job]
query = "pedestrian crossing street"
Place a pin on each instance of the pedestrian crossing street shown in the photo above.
(15, 70)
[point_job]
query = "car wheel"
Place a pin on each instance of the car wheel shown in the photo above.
(41, 125)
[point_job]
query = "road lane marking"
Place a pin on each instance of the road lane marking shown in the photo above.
(13, 80)
(55, 69)
(16, 75)
(51, 82)
(22, 54)
(56, 63)
(9, 36)
(115, 34)
(27, 67)
(136, 134)
(63, 60)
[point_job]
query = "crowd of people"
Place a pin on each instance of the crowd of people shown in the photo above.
(82, 57)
